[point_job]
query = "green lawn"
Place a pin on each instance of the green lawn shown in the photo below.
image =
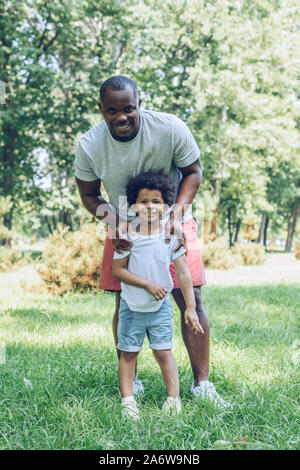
(64, 346)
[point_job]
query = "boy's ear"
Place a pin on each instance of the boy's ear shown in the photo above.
(165, 208)
(134, 207)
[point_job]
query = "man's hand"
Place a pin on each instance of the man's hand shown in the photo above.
(191, 318)
(121, 243)
(174, 225)
(156, 290)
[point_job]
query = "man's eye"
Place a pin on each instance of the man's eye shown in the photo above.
(111, 111)
(129, 109)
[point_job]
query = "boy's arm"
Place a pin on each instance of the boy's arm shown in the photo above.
(186, 286)
(121, 273)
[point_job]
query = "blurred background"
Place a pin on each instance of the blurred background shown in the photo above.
(229, 69)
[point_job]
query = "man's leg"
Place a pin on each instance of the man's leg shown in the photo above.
(197, 345)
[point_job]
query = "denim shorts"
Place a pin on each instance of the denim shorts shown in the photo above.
(133, 326)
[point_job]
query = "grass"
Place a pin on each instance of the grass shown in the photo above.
(64, 347)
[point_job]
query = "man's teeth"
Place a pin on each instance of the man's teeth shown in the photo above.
(123, 126)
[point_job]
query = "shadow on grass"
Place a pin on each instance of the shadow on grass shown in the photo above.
(239, 315)
(31, 316)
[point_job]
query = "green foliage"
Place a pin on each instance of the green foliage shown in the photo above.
(72, 260)
(11, 259)
(297, 250)
(228, 68)
(217, 255)
(251, 253)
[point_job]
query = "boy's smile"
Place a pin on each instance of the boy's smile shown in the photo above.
(149, 205)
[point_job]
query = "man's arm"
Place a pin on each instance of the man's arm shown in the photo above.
(91, 197)
(121, 273)
(189, 185)
(186, 286)
(93, 201)
(188, 188)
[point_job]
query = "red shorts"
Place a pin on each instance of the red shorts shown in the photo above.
(194, 261)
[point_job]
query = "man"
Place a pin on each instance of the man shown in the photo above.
(127, 142)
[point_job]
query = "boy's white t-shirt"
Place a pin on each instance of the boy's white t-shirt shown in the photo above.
(150, 257)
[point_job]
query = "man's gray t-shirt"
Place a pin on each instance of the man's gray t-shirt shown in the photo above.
(150, 257)
(162, 142)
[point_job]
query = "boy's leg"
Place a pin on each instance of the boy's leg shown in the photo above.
(169, 371)
(197, 345)
(115, 321)
(138, 388)
(126, 372)
(107, 282)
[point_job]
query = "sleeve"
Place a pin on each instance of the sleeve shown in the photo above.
(185, 150)
(173, 244)
(120, 256)
(83, 167)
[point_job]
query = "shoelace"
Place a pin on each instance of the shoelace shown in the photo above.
(212, 394)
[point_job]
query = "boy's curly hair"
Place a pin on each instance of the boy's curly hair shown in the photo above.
(158, 180)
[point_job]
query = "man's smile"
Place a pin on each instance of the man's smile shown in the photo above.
(123, 126)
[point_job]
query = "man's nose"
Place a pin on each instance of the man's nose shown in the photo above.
(121, 117)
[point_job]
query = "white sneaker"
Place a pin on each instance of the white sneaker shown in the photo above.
(137, 387)
(130, 408)
(172, 405)
(207, 391)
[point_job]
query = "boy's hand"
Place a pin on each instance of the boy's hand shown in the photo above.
(156, 290)
(191, 318)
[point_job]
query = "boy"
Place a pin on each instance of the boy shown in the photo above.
(146, 282)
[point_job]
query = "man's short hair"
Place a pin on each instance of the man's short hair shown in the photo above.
(158, 180)
(118, 82)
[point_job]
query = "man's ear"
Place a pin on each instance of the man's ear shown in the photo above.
(140, 102)
(100, 107)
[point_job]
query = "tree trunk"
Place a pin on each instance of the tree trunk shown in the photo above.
(8, 155)
(229, 227)
(206, 230)
(218, 184)
(292, 226)
(214, 223)
(237, 229)
(48, 224)
(261, 228)
(265, 231)
(54, 222)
